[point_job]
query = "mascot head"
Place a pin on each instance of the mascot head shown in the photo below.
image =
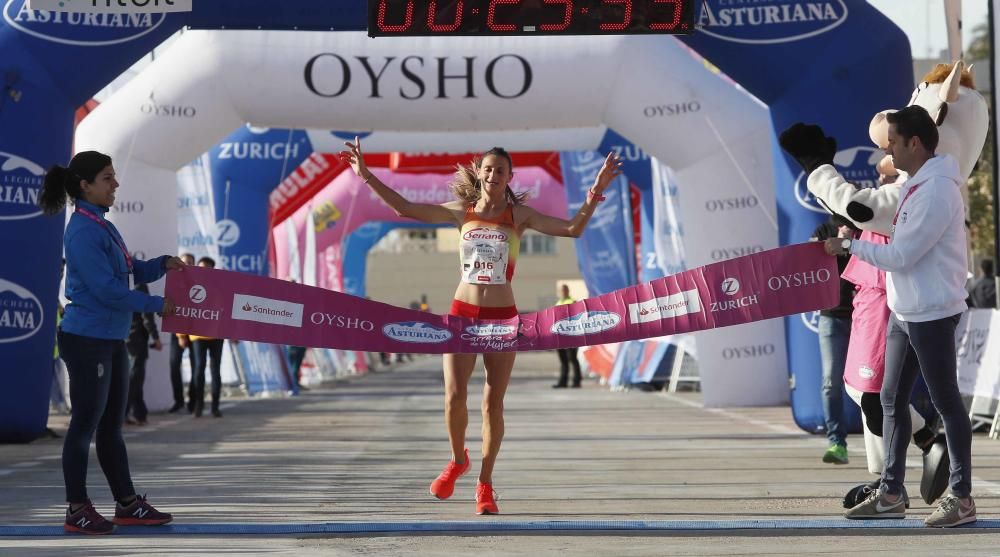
(948, 94)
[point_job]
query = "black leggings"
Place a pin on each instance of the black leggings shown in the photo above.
(98, 389)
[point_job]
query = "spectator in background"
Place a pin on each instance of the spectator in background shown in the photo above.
(295, 356)
(984, 291)
(567, 356)
(178, 344)
(142, 330)
(204, 348)
(834, 335)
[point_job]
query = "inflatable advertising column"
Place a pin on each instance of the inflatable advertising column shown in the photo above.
(52, 63)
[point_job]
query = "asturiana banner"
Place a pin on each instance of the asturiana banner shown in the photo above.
(775, 283)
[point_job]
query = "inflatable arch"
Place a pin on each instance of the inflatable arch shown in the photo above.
(720, 143)
(846, 57)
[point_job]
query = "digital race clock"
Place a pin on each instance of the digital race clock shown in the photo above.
(387, 18)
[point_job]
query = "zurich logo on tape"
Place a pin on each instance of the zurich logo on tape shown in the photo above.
(855, 164)
(21, 314)
(730, 286)
(586, 323)
(20, 182)
(416, 332)
(96, 28)
(197, 294)
(770, 21)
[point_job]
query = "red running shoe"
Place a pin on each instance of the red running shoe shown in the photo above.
(87, 521)
(139, 513)
(486, 499)
(444, 485)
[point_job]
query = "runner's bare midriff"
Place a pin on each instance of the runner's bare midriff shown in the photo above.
(485, 295)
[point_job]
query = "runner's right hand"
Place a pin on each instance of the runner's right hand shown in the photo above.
(354, 157)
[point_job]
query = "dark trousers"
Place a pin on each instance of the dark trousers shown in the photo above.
(203, 351)
(136, 401)
(567, 358)
(176, 354)
(98, 390)
(295, 356)
(927, 348)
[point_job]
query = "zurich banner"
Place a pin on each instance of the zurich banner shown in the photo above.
(605, 250)
(245, 167)
(223, 213)
(798, 83)
(48, 72)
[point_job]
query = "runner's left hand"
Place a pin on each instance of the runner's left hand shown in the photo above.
(612, 169)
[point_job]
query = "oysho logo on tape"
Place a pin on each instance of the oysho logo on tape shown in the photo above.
(665, 307)
(855, 164)
(416, 332)
(341, 321)
(586, 323)
(20, 182)
(769, 21)
(21, 313)
(490, 330)
(798, 280)
(79, 29)
(267, 310)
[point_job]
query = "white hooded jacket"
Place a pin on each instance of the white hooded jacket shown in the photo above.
(926, 259)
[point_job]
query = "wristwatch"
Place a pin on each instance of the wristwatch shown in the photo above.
(846, 244)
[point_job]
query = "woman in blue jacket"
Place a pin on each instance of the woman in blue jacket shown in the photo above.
(99, 278)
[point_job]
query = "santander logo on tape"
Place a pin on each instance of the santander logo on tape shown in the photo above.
(267, 310)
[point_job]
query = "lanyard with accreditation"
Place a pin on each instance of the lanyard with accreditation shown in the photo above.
(114, 237)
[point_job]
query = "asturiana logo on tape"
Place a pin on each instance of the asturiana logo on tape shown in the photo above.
(586, 323)
(416, 332)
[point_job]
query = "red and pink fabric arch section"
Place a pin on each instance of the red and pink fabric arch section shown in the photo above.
(318, 227)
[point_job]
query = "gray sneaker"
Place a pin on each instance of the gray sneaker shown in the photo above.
(876, 506)
(951, 512)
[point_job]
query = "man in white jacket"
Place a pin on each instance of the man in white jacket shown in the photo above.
(926, 266)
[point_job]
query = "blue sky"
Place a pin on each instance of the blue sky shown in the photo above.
(923, 22)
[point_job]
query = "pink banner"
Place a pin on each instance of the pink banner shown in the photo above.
(347, 203)
(774, 283)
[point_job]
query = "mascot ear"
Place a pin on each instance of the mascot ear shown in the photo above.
(949, 89)
(878, 129)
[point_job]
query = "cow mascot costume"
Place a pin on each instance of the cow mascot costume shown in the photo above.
(961, 113)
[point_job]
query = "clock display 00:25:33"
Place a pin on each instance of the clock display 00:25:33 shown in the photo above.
(529, 17)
